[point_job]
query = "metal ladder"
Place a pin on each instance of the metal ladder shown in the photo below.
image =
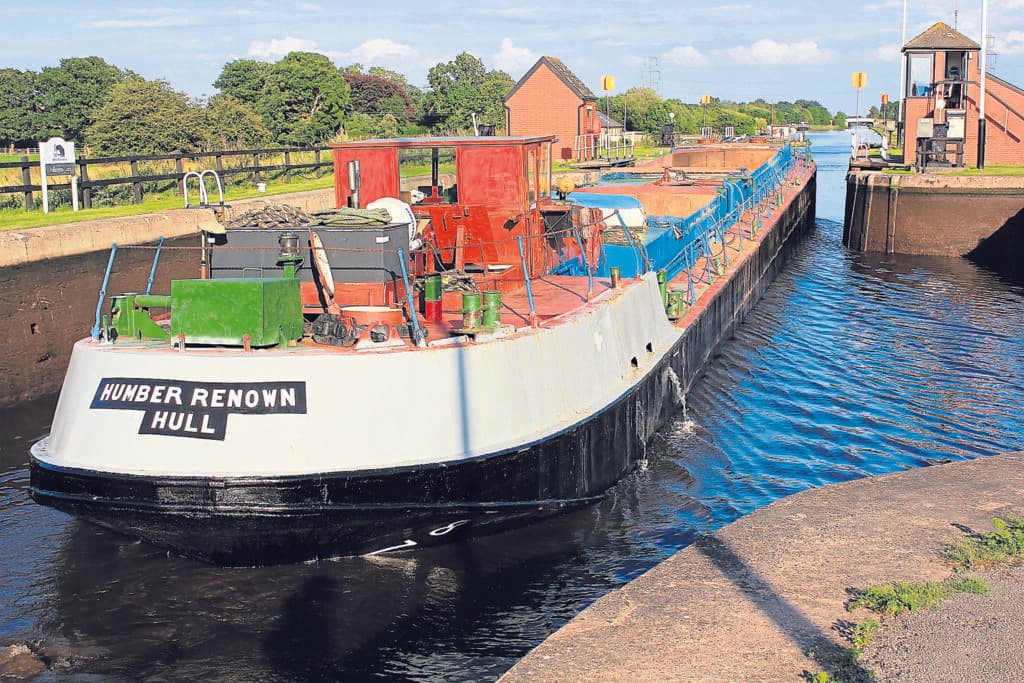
(204, 197)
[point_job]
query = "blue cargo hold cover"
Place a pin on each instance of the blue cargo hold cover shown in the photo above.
(605, 201)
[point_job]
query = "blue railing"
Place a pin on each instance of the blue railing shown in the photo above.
(675, 243)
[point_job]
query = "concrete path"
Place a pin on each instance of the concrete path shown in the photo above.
(750, 602)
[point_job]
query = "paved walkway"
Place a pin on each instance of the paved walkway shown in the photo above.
(749, 602)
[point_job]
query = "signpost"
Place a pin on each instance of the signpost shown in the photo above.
(705, 100)
(607, 85)
(57, 158)
(885, 113)
(860, 79)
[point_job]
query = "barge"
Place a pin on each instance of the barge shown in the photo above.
(464, 345)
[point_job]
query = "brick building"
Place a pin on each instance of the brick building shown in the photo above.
(551, 100)
(941, 96)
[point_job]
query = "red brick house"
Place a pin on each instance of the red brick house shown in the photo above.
(941, 93)
(551, 100)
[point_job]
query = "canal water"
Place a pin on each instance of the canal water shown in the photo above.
(851, 366)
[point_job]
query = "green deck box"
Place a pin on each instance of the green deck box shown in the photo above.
(222, 311)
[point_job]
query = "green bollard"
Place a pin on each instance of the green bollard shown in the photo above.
(676, 304)
(471, 310)
(492, 310)
(662, 285)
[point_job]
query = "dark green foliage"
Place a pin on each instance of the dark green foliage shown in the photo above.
(69, 96)
(906, 596)
(244, 80)
(145, 117)
(377, 96)
(304, 100)
(233, 124)
(18, 108)
(462, 87)
(643, 109)
(1003, 544)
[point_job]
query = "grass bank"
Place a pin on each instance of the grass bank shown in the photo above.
(15, 219)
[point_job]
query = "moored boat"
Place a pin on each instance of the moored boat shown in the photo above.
(461, 347)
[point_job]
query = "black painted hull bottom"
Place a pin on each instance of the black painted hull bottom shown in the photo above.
(259, 521)
(256, 539)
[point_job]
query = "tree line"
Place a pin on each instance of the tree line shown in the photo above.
(643, 109)
(305, 99)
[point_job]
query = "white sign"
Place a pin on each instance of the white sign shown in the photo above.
(57, 151)
(57, 158)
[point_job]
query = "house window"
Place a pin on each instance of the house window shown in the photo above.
(919, 75)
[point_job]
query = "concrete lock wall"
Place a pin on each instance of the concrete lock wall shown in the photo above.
(931, 214)
(18, 247)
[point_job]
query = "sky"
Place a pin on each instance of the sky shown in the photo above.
(736, 51)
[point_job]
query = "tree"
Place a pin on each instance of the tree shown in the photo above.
(72, 93)
(243, 79)
(377, 96)
(234, 124)
(18, 117)
(305, 99)
(389, 75)
(464, 86)
(145, 117)
(359, 126)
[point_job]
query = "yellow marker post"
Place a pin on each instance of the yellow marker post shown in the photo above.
(705, 100)
(860, 79)
(607, 85)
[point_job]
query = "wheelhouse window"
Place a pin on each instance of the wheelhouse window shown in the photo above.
(531, 175)
(426, 175)
(919, 75)
(545, 169)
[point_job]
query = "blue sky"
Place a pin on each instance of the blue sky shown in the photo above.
(733, 50)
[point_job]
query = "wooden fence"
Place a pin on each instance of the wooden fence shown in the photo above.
(136, 179)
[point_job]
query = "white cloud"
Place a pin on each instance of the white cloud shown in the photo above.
(684, 56)
(1011, 43)
(768, 51)
(279, 47)
(510, 12)
(156, 22)
(890, 52)
(512, 58)
(372, 51)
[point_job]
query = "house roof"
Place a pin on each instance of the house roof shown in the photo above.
(607, 121)
(941, 36)
(557, 67)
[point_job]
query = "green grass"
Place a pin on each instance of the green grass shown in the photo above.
(4, 158)
(14, 219)
(861, 635)
(1002, 545)
(907, 596)
(990, 171)
(824, 677)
